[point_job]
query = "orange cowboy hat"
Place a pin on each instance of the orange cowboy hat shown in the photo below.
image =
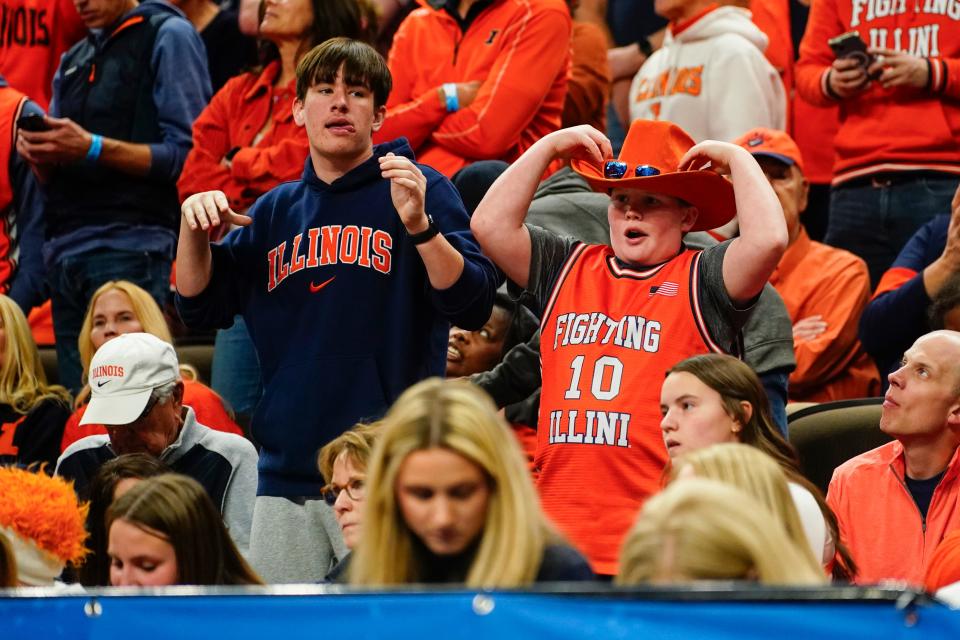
(650, 159)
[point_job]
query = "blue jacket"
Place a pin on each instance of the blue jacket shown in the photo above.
(339, 307)
(897, 315)
(179, 89)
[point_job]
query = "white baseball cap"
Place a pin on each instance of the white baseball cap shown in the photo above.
(123, 374)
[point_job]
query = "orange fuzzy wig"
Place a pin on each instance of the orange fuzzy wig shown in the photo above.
(44, 510)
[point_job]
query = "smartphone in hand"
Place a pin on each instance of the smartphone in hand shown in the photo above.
(851, 45)
(33, 122)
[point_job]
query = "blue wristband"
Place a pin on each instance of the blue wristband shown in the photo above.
(96, 146)
(450, 94)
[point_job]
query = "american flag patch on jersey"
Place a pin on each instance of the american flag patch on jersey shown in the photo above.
(668, 289)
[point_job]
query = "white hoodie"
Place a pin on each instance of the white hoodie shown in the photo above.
(711, 79)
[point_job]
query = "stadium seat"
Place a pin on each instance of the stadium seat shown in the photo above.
(827, 435)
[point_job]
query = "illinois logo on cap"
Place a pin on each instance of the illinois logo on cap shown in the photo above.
(123, 374)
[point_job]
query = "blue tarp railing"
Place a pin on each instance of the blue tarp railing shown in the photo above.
(329, 613)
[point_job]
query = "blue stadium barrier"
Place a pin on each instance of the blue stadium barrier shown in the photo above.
(281, 613)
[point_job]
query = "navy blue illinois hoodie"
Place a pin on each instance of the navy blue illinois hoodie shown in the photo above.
(339, 307)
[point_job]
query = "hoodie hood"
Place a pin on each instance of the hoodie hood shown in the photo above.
(367, 171)
(718, 22)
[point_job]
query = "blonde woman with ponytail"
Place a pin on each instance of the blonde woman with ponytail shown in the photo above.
(449, 499)
(32, 412)
(698, 529)
(758, 475)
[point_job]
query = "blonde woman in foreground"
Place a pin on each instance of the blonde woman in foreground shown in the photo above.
(449, 500)
(755, 473)
(699, 529)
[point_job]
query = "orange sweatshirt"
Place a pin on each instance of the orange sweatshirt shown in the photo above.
(816, 279)
(889, 129)
(812, 127)
(520, 52)
(33, 36)
(879, 520)
(245, 106)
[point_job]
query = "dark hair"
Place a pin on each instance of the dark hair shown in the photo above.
(736, 382)
(362, 66)
(947, 299)
(355, 19)
(178, 509)
(95, 571)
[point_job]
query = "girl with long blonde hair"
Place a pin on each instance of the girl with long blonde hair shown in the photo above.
(33, 411)
(449, 499)
(699, 529)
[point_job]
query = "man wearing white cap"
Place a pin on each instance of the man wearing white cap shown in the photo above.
(136, 391)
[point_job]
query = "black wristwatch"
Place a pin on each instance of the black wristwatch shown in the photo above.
(645, 47)
(427, 234)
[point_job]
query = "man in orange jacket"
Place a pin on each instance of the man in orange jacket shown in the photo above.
(824, 288)
(477, 79)
(896, 502)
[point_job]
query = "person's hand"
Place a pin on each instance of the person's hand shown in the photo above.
(209, 210)
(64, 142)
(951, 250)
(809, 328)
(898, 69)
(848, 78)
(720, 155)
(582, 142)
(467, 93)
(408, 189)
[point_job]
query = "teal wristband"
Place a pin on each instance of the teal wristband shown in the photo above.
(450, 95)
(96, 146)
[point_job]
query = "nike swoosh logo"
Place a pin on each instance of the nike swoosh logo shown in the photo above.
(316, 287)
(100, 384)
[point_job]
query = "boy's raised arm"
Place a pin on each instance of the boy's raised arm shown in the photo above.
(755, 253)
(497, 223)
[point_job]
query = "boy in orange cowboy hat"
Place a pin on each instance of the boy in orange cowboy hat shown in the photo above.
(616, 318)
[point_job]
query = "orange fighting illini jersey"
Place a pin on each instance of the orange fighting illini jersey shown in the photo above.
(608, 336)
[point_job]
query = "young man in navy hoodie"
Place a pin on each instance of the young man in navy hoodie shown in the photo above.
(348, 281)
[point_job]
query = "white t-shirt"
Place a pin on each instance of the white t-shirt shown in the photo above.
(814, 526)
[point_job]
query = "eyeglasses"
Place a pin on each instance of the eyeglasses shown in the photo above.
(616, 169)
(356, 491)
